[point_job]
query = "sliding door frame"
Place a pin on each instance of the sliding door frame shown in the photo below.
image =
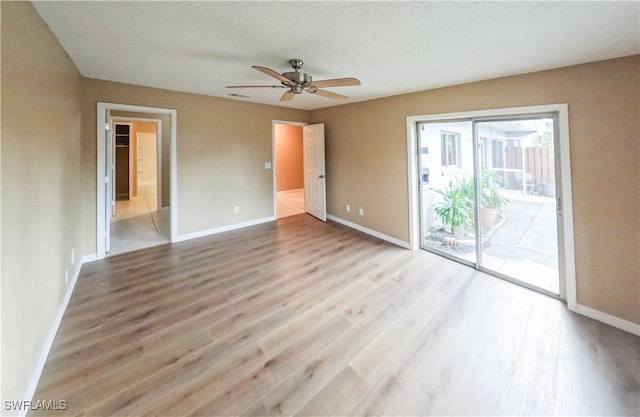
(567, 282)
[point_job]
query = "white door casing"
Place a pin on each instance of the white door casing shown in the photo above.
(315, 193)
(103, 215)
(109, 179)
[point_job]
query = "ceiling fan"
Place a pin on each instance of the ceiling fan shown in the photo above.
(296, 82)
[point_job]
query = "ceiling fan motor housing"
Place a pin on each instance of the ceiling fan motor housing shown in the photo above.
(298, 78)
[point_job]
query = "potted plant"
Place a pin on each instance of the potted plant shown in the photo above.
(456, 209)
(548, 187)
(491, 198)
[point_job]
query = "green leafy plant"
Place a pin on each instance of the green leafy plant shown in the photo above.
(491, 190)
(456, 209)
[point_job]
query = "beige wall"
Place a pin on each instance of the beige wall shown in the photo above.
(222, 146)
(145, 163)
(41, 191)
(367, 164)
(289, 157)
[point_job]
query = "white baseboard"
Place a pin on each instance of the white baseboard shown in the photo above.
(222, 229)
(614, 321)
(371, 232)
(89, 258)
(44, 354)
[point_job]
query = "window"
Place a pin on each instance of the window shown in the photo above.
(450, 145)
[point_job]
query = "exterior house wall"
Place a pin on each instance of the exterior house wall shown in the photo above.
(440, 176)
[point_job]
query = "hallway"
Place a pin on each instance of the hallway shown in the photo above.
(138, 224)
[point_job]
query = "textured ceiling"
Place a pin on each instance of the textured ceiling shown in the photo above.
(392, 47)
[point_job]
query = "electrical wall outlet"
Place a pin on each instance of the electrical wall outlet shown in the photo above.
(361, 211)
(348, 208)
(236, 209)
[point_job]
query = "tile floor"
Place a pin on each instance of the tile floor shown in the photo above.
(138, 224)
(290, 202)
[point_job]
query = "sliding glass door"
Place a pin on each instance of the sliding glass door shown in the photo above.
(488, 195)
(518, 185)
(447, 178)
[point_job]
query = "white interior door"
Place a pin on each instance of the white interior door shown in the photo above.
(109, 179)
(315, 193)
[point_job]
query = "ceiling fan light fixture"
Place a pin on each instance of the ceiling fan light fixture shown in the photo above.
(297, 82)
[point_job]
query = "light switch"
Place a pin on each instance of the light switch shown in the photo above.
(267, 165)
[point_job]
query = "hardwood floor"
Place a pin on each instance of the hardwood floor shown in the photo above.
(300, 317)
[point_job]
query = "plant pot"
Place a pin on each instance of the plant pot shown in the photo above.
(549, 189)
(488, 217)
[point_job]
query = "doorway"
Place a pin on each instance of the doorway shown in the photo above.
(288, 170)
(124, 159)
(154, 195)
(312, 158)
(490, 190)
(138, 219)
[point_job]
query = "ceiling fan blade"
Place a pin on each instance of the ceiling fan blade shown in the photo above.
(287, 96)
(329, 94)
(273, 74)
(255, 86)
(337, 82)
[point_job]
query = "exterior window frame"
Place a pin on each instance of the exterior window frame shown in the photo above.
(447, 137)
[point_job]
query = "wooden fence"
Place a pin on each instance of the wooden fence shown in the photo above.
(538, 162)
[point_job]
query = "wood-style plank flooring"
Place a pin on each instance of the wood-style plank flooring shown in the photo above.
(300, 317)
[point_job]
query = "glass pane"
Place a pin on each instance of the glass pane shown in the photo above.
(518, 205)
(451, 151)
(447, 214)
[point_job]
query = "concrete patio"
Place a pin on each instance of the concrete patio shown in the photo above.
(523, 245)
